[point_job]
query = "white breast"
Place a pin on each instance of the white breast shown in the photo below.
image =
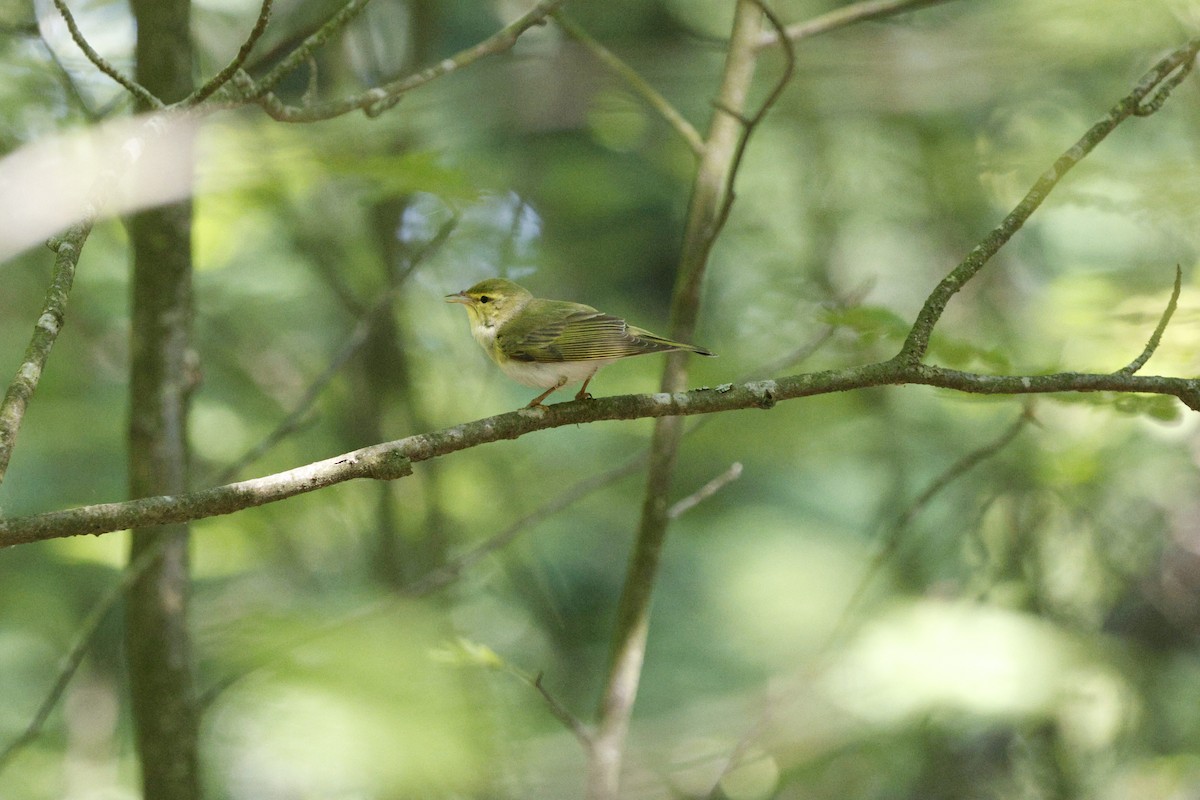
(543, 375)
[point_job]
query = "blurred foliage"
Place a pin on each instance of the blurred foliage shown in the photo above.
(1033, 632)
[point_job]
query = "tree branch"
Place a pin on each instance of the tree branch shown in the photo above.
(681, 507)
(711, 190)
(890, 541)
(301, 54)
(560, 712)
(391, 460)
(1164, 76)
(232, 68)
(841, 18)
(78, 649)
(375, 101)
(133, 87)
(1156, 337)
(45, 333)
(353, 342)
(636, 82)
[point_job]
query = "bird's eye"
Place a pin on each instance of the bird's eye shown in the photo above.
(483, 298)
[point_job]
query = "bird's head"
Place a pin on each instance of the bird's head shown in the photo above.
(493, 302)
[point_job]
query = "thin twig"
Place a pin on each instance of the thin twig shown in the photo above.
(64, 77)
(132, 86)
(560, 712)
(888, 547)
(45, 334)
(1163, 76)
(939, 484)
(843, 17)
(373, 101)
(681, 507)
(350, 346)
(443, 576)
(78, 649)
(750, 123)
(636, 82)
(447, 573)
(1156, 337)
(306, 48)
(232, 68)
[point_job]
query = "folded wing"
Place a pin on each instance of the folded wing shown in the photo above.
(583, 334)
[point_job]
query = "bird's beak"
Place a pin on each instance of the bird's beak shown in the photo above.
(458, 297)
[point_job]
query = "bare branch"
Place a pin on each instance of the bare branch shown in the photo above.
(374, 101)
(45, 333)
(636, 82)
(78, 649)
(887, 548)
(450, 571)
(750, 123)
(390, 460)
(1156, 337)
(306, 48)
(843, 17)
(132, 86)
(443, 576)
(560, 712)
(712, 189)
(1160, 77)
(706, 491)
(232, 68)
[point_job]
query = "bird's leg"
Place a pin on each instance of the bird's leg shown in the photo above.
(582, 394)
(537, 401)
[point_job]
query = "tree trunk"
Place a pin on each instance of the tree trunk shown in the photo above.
(158, 642)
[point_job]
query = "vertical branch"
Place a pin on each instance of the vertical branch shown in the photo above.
(158, 643)
(705, 214)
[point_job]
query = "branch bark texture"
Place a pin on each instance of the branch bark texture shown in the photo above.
(45, 333)
(158, 643)
(706, 213)
(391, 460)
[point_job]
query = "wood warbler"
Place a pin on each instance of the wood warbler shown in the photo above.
(548, 344)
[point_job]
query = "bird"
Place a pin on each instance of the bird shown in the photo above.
(549, 344)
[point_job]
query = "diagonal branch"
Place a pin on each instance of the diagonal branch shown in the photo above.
(375, 101)
(560, 712)
(352, 344)
(306, 48)
(1162, 77)
(843, 17)
(636, 82)
(45, 333)
(886, 549)
(82, 642)
(136, 89)
(231, 69)
(681, 507)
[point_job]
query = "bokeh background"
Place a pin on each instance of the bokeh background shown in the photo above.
(855, 616)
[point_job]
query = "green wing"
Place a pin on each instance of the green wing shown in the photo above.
(552, 330)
